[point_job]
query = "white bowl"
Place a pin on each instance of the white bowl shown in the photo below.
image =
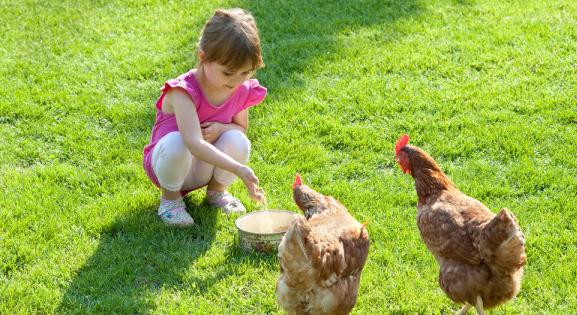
(263, 230)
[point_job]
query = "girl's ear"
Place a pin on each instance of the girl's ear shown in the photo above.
(201, 55)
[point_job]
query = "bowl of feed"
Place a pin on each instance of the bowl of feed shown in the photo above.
(263, 230)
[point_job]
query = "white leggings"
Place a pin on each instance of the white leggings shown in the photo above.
(178, 170)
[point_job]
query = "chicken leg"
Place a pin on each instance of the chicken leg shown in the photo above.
(479, 306)
(463, 310)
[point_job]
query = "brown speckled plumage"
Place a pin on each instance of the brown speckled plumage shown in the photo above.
(321, 257)
(480, 254)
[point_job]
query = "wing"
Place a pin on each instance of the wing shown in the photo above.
(446, 233)
(337, 247)
(355, 242)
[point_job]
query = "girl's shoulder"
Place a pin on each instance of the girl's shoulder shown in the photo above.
(253, 92)
(186, 81)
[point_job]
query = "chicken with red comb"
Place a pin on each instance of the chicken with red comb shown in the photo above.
(480, 255)
(321, 256)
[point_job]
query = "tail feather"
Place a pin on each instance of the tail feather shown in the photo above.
(511, 254)
(503, 244)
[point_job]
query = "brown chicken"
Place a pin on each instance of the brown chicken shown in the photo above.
(481, 255)
(321, 256)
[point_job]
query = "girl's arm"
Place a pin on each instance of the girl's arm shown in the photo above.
(189, 126)
(212, 130)
(240, 120)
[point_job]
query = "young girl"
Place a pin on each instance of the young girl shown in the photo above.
(199, 137)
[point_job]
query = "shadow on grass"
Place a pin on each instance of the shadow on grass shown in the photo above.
(137, 257)
(308, 30)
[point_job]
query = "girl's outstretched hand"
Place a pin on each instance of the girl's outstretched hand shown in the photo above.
(251, 181)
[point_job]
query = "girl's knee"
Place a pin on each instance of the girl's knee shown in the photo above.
(234, 143)
(172, 147)
(177, 155)
(171, 157)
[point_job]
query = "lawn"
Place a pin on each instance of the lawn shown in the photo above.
(486, 87)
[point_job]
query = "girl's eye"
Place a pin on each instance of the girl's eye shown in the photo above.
(228, 74)
(246, 72)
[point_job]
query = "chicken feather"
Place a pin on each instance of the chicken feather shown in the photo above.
(321, 256)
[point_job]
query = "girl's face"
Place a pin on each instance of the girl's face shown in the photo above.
(222, 78)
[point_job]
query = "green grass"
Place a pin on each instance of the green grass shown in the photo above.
(486, 87)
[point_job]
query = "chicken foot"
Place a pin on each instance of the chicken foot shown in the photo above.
(463, 310)
(478, 307)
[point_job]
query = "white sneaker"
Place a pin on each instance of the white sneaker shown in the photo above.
(173, 212)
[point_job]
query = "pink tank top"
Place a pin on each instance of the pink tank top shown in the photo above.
(248, 94)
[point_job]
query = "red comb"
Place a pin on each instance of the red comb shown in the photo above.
(298, 181)
(403, 140)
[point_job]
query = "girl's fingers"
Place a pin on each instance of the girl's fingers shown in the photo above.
(259, 194)
(256, 193)
(251, 182)
(258, 197)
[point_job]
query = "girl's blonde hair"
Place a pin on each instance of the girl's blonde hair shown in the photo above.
(230, 38)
